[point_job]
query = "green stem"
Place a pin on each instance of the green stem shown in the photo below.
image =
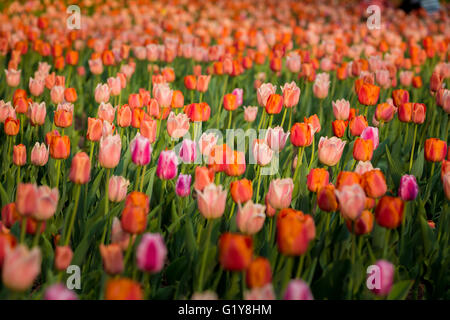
(312, 153)
(230, 114)
(74, 213)
(300, 266)
(205, 254)
(259, 184)
(23, 229)
(284, 116)
(142, 178)
(299, 163)
(290, 118)
(138, 175)
(37, 234)
(58, 172)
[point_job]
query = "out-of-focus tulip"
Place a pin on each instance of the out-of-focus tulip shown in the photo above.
(94, 130)
(109, 152)
(326, 198)
(37, 113)
(59, 147)
(357, 125)
(11, 126)
(163, 94)
(124, 116)
(230, 102)
(317, 178)
(399, 97)
(211, 201)
(118, 235)
(258, 273)
(362, 149)
(330, 150)
(435, 150)
(341, 109)
(235, 251)
(134, 219)
(321, 85)
(294, 231)
(298, 289)
(21, 267)
(347, 178)
(203, 82)
(250, 218)
(241, 190)
(106, 112)
(239, 93)
(46, 203)
(351, 201)
(102, 93)
(389, 212)
(6, 111)
(384, 278)
(276, 138)
(203, 177)
(250, 113)
(26, 198)
(151, 253)
(291, 94)
(59, 291)
(36, 86)
(206, 142)
(112, 258)
(12, 77)
(177, 125)
(374, 183)
(408, 189)
(80, 169)
(117, 188)
(10, 215)
(19, 155)
(183, 185)
(385, 112)
(167, 167)
(263, 93)
(363, 167)
(446, 184)
(280, 193)
(362, 225)
(301, 134)
(123, 289)
(70, 95)
(190, 82)
(7, 243)
(368, 94)
(177, 99)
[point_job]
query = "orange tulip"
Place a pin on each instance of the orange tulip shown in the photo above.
(374, 183)
(258, 273)
(368, 94)
(274, 104)
(241, 190)
(59, 147)
(362, 225)
(123, 289)
(362, 150)
(389, 212)
(435, 150)
(235, 251)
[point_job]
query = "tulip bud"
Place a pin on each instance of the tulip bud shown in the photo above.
(235, 251)
(389, 212)
(183, 185)
(294, 231)
(384, 278)
(112, 258)
(298, 289)
(326, 198)
(351, 201)
(362, 225)
(117, 189)
(109, 152)
(123, 289)
(140, 150)
(151, 253)
(280, 193)
(19, 155)
(250, 218)
(258, 273)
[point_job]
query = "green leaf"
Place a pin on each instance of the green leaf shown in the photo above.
(417, 168)
(3, 196)
(400, 290)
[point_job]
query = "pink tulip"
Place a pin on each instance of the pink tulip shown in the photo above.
(57, 94)
(117, 188)
(352, 200)
(36, 86)
(6, 111)
(109, 153)
(148, 128)
(118, 235)
(141, 150)
(385, 275)
(102, 93)
(167, 165)
(263, 93)
(279, 195)
(63, 257)
(383, 79)
(107, 128)
(276, 138)
(363, 167)
(371, 133)
(47, 201)
(112, 257)
(188, 151)
(96, 66)
(163, 94)
(250, 218)
(183, 185)
(250, 113)
(239, 93)
(106, 112)
(330, 150)
(321, 85)
(36, 113)
(39, 154)
(59, 291)
(177, 125)
(260, 293)
(151, 253)
(293, 62)
(408, 188)
(211, 201)
(262, 152)
(291, 94)
(21, 267)
(406, 77)
(298, 289)
(114, 85)
(26, 198)
(341, 109)
(13, 77)
(206, 142)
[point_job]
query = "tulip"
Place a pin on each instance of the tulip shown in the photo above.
(263, 93)
(19, 155)
(408, 189)
(6, 111)
(190, 82)
(163, 94)
(264, 293)
(298, 289)
(10, 215)
(446, 185)
(374, 183)
(59, 291)
(234, 164)
(294, 232)
(117, 189)
(230, 102)
(26, 198)
(63, 115)
(368, 94)
(326, 198)
(70, 95)
(435, 81)
(250, 218)
(250, 113)
(261, 152)
(384, 278)
(405, 112)
(198, 111)
(80, 170)
(274, 104)
(36, 86)
(109, 152)
(202, 83)
(301, 134)
(239, 93)
(363, 149)
(124, 116)
(37, 113)
(183, 185)
(167, 165)
(123, 289)
(321, 85)
(21, 267)
(341, 109)
(134, 219)
(211, 201)
(347, 178)
(13, 77)
(177, 125)
(357, 125)
(118, 235)
(107, 129)
(46, 203)
(241, 190)
(418, 113)
(371, 133)
(112, 258)
(389, 212)
(7, 243)
(339, 127)
(94, 130)
(276, 138)
(280, 193)
(102, 93)
(291, 94)
(206, 142)
(177, 99)
(151, 253)
(317, 178)
(330, 150)
(11, 126)
(106, 112)
(188, 151)
(258, 273)
(114, 85)
(235, 251)
(363, 167)
(435, 150)
(385, 112)
(203, 177)
(400, 96)
(148, 128)
(351, 201)
(362, 225)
